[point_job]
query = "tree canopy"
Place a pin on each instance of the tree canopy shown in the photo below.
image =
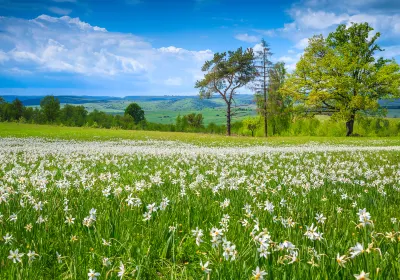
(136, 112)
(50, 107)
(341, 76)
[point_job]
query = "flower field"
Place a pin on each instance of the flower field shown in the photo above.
(172, 210)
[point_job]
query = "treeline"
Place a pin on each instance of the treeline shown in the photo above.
(51, 112)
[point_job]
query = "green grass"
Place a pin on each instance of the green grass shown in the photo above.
(39, 179)
(87, 134)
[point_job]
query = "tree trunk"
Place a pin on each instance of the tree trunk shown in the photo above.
(265, 93)
(274, 125)
(350, 126)
(265, 118)
(228, 119)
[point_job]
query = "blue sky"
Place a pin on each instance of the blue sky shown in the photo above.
(153, 47)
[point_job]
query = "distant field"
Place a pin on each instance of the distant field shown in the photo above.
(88, 134)
(165, 109)
(159, 109)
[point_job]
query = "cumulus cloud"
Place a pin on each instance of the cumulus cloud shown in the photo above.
(321, 17)
(301, 44)
(60, 11)
(312, 17)
(47, 46)
(247, 38)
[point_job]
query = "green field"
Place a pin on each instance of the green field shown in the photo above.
(90, 134)
(165, 111)
(158, 109)
(161, 205)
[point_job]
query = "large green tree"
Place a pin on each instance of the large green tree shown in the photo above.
(340, 75)
(225, 74)
(136, 112)
(50, 107)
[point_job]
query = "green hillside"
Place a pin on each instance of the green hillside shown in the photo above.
(165, 109)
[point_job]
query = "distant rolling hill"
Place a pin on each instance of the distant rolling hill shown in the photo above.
(165, 109)
(161, 109)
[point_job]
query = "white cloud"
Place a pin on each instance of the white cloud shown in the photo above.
(247, 38)
(3, 56)
(302, 44)
(48, 46)
(60, 11)
(268, 32)
(392, 51)
(287, 59)
(312, 17)
(177, 81)
(171, 49)
(317, 20)
(258, 47)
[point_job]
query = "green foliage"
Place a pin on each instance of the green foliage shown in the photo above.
(73, 115)
(279, 106)
(252, 124)
(136, 112)
(50, 107)
(339, 75)
(195, 120)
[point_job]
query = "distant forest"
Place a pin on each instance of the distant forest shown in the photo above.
(48, 110)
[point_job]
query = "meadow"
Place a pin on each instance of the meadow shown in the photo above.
(80, 203)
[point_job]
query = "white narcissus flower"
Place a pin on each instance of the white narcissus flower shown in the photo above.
(93, 274)
(320, 218)
(356, 250)
(15, 256)
(59, 257)
(259, 274)
(121, 271)
(341, 260)
(204, 267)
(31, 255)
(8, 238)
(362, 276)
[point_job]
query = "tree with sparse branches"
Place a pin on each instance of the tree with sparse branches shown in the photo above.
(225, 74)
(261, 83)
